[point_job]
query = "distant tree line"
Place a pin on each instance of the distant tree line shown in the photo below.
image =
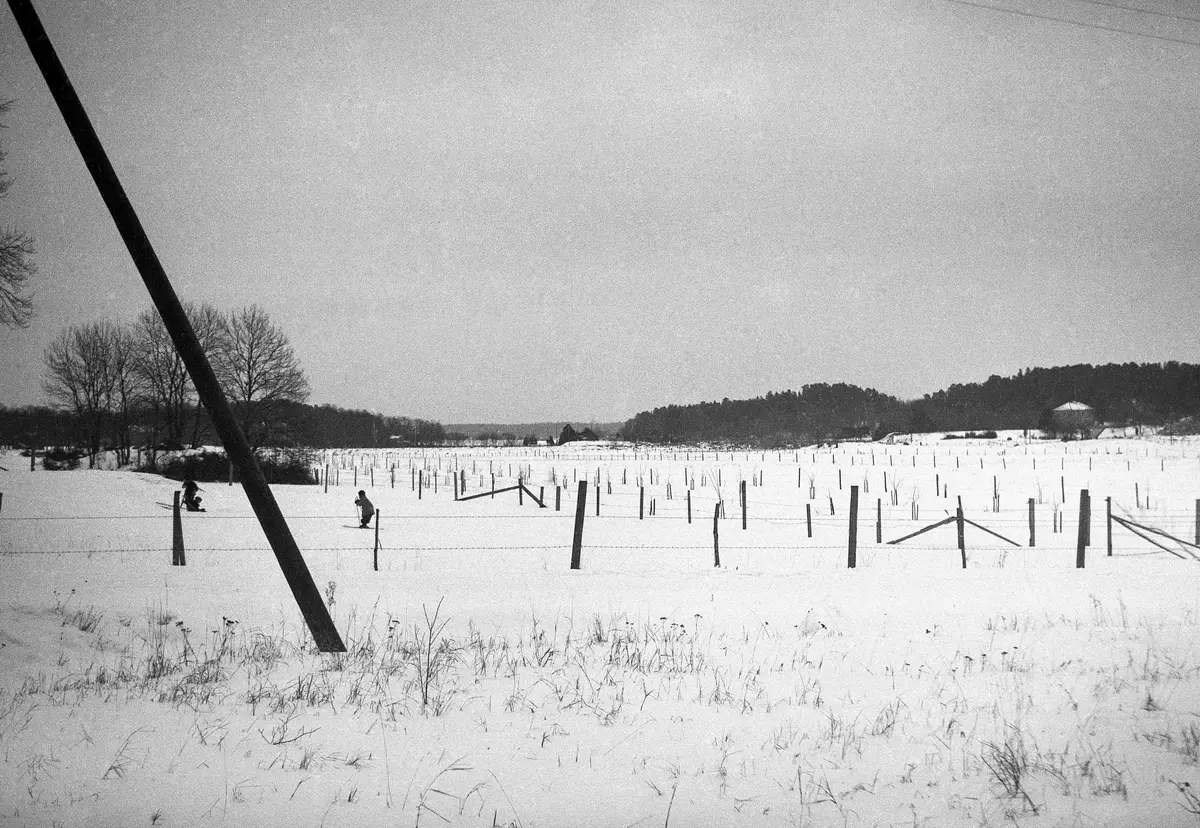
(1124, 394)
(328, 426)
(817, 412)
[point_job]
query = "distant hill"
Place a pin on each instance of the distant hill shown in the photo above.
(1125, 394)
(539, 430)
(817, 412)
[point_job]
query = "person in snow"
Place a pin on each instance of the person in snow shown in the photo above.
(366, 509)
(189, 496)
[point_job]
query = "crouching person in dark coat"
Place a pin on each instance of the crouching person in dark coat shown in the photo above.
(366, 509)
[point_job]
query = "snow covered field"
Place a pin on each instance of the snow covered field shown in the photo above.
(487, 684)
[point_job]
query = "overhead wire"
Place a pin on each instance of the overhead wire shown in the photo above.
(1137, 10)
(1084, 24)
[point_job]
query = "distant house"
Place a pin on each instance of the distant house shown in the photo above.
(1073, 417)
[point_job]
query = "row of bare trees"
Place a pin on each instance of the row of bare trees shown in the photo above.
(111, 374)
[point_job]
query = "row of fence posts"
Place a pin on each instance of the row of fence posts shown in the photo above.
(1084, 536)
(460, 485)
(178, 554)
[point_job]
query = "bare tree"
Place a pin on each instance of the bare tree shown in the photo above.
(126, 389)
(212, 330)
(168, 387)
(164, 376)
(260, 372)
(80, 373)
(16, 259)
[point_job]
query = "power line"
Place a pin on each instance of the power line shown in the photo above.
(1138, 10)
(1073, 22)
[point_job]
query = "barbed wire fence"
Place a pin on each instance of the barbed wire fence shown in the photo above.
(684, 486)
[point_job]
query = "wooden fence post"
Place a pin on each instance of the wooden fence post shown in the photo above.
(743, 504)
(1198, 522)
(1081, 538)
(641, 502)
(420, 481)
(879, 520)
(716, 535)
(376, 556)
(852, 555)
(808, 517)
(689, 507)
(962, 535)
(1108, 521)
(1087, 521)
(326, 478)
(1032, 536)
(557, 498)
(597, 498)
(580, 508)
(177, 554)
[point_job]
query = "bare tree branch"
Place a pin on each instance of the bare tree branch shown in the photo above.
(16, 259)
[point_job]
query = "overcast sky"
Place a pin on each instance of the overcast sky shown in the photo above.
(513, 210)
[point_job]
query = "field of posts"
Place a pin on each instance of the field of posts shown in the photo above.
(787, 511)
(486, 682)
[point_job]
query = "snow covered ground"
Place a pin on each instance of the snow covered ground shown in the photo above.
(487, 684)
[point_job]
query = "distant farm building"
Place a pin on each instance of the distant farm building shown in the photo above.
(1074, 416)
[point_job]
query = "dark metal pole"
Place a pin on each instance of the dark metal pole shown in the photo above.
(287, 553)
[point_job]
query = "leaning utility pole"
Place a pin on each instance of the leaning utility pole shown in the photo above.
(308, 597)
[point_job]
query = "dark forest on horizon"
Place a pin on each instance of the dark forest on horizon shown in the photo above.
(1151, 394)
(1121, 394)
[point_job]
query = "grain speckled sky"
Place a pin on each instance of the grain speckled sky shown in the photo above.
(516, 210)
